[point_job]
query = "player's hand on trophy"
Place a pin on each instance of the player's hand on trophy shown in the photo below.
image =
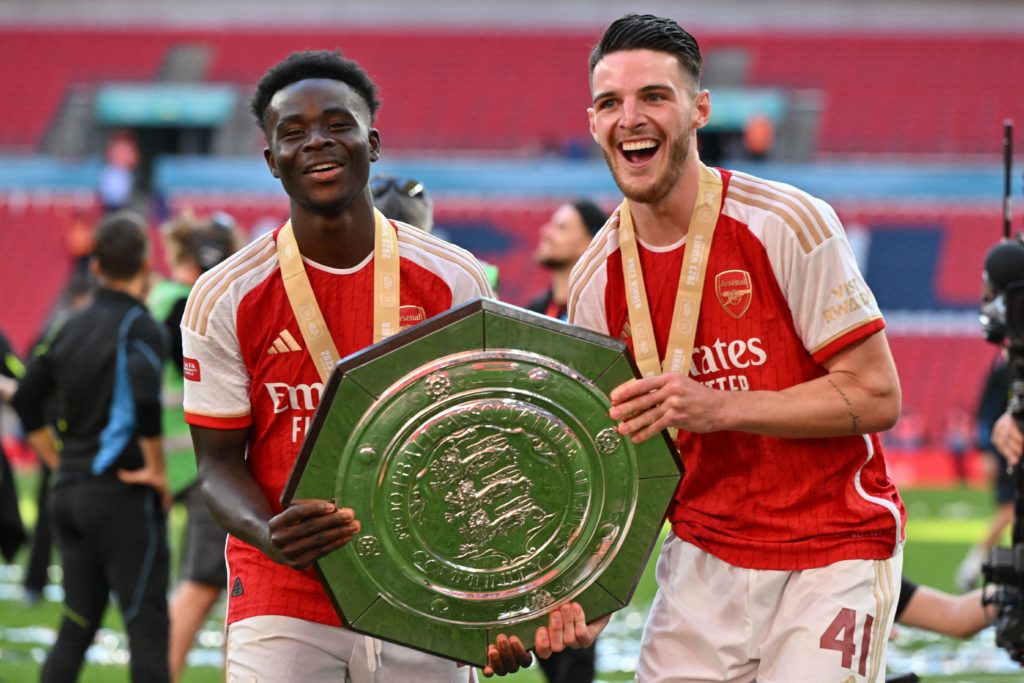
(567, 629)
(1007, 439)
(307, 530)
(644, 407)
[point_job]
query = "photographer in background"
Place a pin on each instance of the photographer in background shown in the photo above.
(1002, 320)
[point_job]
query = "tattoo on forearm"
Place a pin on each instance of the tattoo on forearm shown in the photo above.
(854, 419)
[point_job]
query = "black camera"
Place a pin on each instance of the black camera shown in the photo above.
(1002, 321)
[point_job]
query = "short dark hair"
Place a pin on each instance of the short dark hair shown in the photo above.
(594, 217)
(122, 245)
(299, 66)
(648, 32)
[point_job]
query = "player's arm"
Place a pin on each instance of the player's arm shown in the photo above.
(1007, 438)
(959, 616)
(295, 537)
(29, 400)
(859, 394)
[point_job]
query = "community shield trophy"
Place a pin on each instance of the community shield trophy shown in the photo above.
(477, 452)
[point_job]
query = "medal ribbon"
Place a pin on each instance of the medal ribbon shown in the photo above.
(307, 312)
(691, 283)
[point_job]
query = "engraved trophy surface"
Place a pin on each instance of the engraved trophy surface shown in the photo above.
(477, 452)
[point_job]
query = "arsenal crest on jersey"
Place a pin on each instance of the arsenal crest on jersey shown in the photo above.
(734, 289)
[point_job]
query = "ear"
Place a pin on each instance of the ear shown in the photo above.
(701, 109)
(374, 144)
(268, 156)
(593, 124)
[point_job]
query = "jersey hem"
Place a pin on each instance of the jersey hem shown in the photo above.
(845, 549)
(214, 422)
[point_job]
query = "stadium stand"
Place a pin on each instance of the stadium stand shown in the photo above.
(525, 92)
(502, 94)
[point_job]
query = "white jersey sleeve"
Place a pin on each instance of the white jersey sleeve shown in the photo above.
(589, 279)
(217, 381)
(811, 259)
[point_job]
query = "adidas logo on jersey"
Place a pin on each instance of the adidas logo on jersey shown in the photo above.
(285, 343)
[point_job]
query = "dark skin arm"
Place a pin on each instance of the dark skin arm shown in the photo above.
(296, 537)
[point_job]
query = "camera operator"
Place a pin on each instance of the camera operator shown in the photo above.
(1002, 319)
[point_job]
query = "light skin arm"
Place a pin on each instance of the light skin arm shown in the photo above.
(296, 537)
(860, 394)
(45, 446)
(154, 469)
(959, 616)
(567, 629)
(1007, 439)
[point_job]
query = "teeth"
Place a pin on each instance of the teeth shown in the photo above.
(637, 145)
(321, 167)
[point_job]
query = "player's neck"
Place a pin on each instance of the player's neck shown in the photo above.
(341, 241)
(666, 221)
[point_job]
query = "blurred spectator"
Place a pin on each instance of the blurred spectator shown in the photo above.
(406, 200)
(758, 137)
(191, 247)
(79, 241)
(117, 177)
(107, 502)
(994, 399)
(77, 294)
(562, 240)
(12, 531)
(908, 434)
(958, 441)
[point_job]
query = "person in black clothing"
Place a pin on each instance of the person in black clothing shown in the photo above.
(109, 494)
(563, 239)
(77, 294)
(12, 531)
(995, 397)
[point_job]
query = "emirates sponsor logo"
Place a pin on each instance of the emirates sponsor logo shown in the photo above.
(734, 290)
(190, 369)
(723, 356)
(303, 397)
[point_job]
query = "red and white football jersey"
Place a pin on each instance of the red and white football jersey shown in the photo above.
(246, 365)
(782, 295)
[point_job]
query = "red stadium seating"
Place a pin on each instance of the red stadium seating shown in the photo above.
(516, 90)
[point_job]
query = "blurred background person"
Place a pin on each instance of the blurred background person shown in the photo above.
(191, 247)
(956, 616)
(77, 294)
(12, 531)
(403, 199)
(994, 398)
(563, 239)
(406, 200)
(103, 366)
